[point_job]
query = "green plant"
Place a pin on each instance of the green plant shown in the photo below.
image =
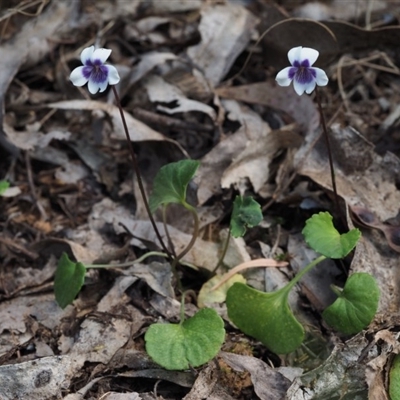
(394, 382)
(4, 185)
(265, 316)
(268, 317)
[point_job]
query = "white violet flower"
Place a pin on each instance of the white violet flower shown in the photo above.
(303, 75)
(94, 71)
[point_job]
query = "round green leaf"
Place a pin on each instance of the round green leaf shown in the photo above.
(68, 280)
(4, 185)
(171, 182)
(265, 316)
(246, 214)
(356, 306)
(193, 343)
(322, 236)
(394, 383)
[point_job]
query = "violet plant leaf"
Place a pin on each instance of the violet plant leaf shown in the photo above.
(265, 316)
(356, 305)
(323, 237)
(394, 382)
(4, 185)
(68, 280)
(171, 182)
(246, 214)
(191, 343)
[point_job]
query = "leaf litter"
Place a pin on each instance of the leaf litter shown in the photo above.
(195, 81)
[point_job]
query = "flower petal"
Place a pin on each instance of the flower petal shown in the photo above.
(283, 78)
(77, 77)
(307, 53)
(100, 56)
(298, 87)
(86, 55)
(294, 55)
(94, 86)
(321, 77)
(309, 87)
(113, 76)
(102, 86)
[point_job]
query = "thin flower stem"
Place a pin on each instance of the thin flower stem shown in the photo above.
(195, 232)
(328, 147)
(137, 172)
(176, 259)
(224, 250)
(170, 243)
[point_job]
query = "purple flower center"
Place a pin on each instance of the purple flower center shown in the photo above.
(95, 71)
(99, 73)
(305, 63)
(302, 72)
(305, 75)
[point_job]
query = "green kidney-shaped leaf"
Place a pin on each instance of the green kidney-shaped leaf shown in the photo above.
(68, 280)
(193, 343)
(246, 214)
(356, 306)
(322, 236)
(4, 185)
(265, 316)
(394, 383)
(171, 182)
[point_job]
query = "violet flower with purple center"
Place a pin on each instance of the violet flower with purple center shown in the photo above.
(304, 76)
(94, 71)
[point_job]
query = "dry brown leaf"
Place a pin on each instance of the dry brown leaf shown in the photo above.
(157, 275)
(268, 383)
(252, 162)
(161, 91)
(225, 32)
(20, 279)
(337, 9)
(174, 5)
(147, 62)
(14, 316)
(243, 156)
(203, 254)
(40, 379)
(55, 247)
(207, 386)
(301, 108)
(32, 138)
(336, 375)
(213, 164)
(138, 131)
(31, 45)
